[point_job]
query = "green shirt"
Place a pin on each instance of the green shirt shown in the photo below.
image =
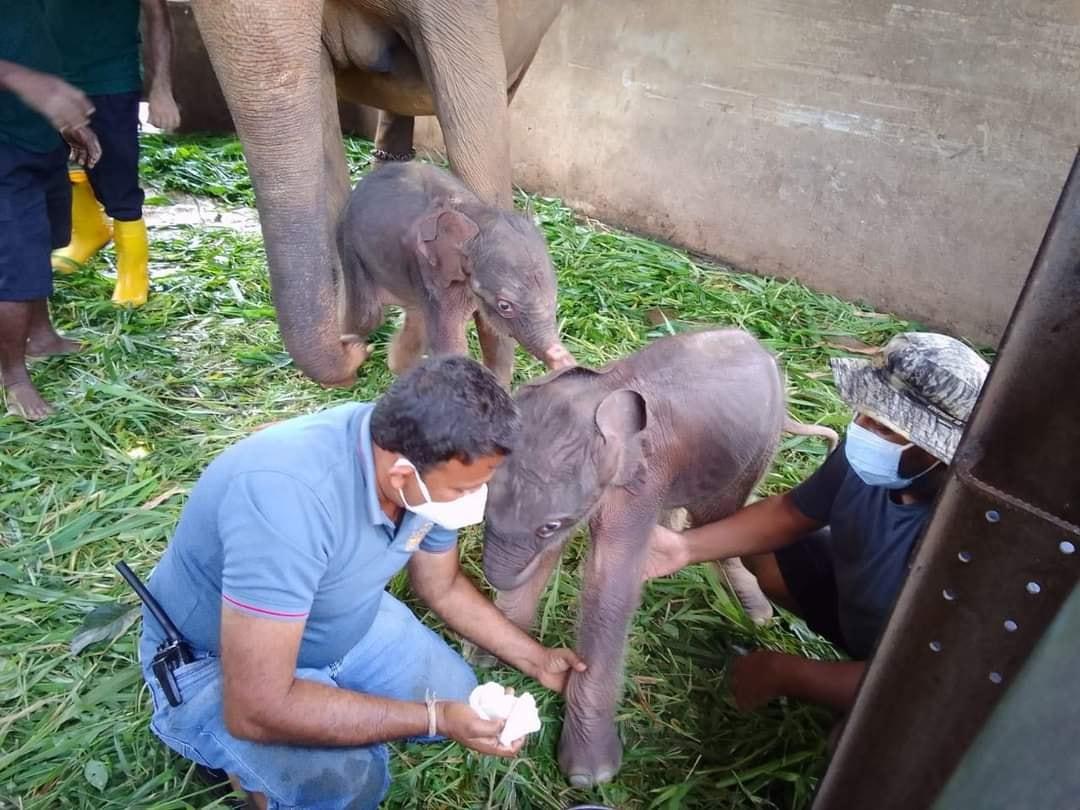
(99, 43)
(25, 40)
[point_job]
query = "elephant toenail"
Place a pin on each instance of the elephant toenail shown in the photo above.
(580, 780)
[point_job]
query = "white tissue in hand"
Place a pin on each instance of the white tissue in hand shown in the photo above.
(524, 719)
(491, 702)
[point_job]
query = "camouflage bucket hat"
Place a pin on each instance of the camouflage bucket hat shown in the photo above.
(921, 384)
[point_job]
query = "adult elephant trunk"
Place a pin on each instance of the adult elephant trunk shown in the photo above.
(279, 87)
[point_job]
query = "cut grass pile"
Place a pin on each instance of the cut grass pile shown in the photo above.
(159, 391)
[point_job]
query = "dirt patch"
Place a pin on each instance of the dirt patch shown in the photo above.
(186, 209)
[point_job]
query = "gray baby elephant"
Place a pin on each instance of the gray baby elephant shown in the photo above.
(413, 235)
(691, 421)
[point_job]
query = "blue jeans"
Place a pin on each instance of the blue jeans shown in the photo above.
(398, 658)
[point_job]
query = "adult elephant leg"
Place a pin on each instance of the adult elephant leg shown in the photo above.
(394, 137)
(269, 60)
(458, 47)
(590, 751)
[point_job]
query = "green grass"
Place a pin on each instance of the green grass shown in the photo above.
(159, 391)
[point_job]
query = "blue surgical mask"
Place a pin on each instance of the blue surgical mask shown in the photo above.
(876, 460)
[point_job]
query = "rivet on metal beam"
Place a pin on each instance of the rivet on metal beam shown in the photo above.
(964, 556)
(993, 516)
(995, 677)
(1011, 626)
(1033, 587)
(949, 594)
(1065, 547)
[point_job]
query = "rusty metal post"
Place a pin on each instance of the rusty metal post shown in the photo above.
(999, 557)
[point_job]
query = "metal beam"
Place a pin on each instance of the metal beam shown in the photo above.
(1026, 755)
(999, 557)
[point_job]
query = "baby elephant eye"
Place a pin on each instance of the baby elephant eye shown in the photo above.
(549, 529)
(505, 307)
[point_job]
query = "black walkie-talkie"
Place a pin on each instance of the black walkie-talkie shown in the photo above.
(173, 651)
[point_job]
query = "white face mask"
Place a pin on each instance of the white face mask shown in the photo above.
(467, 510)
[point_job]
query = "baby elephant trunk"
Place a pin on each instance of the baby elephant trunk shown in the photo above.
(542, 343)
(557, 356)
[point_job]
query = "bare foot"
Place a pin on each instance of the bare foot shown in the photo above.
(25, 401)
(49, 344)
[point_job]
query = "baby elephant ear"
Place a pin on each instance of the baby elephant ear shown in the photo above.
(621, 418)
(441, 238)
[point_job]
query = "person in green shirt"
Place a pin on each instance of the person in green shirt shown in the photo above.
(99, 43)
(36, 109)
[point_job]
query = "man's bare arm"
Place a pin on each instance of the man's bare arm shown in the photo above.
(439, 581)
(264, 701)
(759, 528)
(157, 55)
(764, 675)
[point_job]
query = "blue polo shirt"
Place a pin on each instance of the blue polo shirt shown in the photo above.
(286, 525)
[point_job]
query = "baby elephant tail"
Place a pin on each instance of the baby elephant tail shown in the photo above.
(799, 429)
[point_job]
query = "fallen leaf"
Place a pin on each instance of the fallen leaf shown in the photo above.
(658, 316)
(103, 623)
(850, 344)
(158, 500)
(96, 773)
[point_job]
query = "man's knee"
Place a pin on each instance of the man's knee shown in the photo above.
(294, 776)
(460, 679)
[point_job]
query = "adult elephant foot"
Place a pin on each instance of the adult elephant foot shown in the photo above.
(589, 759)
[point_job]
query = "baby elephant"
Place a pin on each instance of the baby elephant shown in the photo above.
(415, 236)
(691, 421)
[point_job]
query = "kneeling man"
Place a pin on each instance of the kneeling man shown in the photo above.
(276, 575)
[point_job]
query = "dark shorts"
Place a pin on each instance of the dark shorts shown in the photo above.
(115, 179)
(807, 568)
(35, 218)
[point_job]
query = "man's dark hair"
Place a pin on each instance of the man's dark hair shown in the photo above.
(446, 408)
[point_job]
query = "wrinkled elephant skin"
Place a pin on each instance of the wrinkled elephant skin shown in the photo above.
(689, 421)
(282, 65)
(414, 236)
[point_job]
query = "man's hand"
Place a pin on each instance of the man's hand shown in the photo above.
(761, 676)
(754, 679)
(554, 665)
(85, 148)
(464, 726)
(164, 114)
(64, 106)
(667, 554)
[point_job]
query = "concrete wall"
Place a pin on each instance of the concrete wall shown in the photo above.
(908, 155)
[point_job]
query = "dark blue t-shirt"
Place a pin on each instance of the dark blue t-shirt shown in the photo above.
(287, 525)
(872, 538)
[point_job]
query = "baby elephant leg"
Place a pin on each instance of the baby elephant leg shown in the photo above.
(498, 350)
(747, 590)
(408, 343)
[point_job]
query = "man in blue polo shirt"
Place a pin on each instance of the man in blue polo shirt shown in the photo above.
(835, 550)
(276, 575)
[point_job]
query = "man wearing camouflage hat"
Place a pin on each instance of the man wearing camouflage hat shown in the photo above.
(835, 549)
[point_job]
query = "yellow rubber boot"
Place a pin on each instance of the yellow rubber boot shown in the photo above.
(132, 255)
(90, 230)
